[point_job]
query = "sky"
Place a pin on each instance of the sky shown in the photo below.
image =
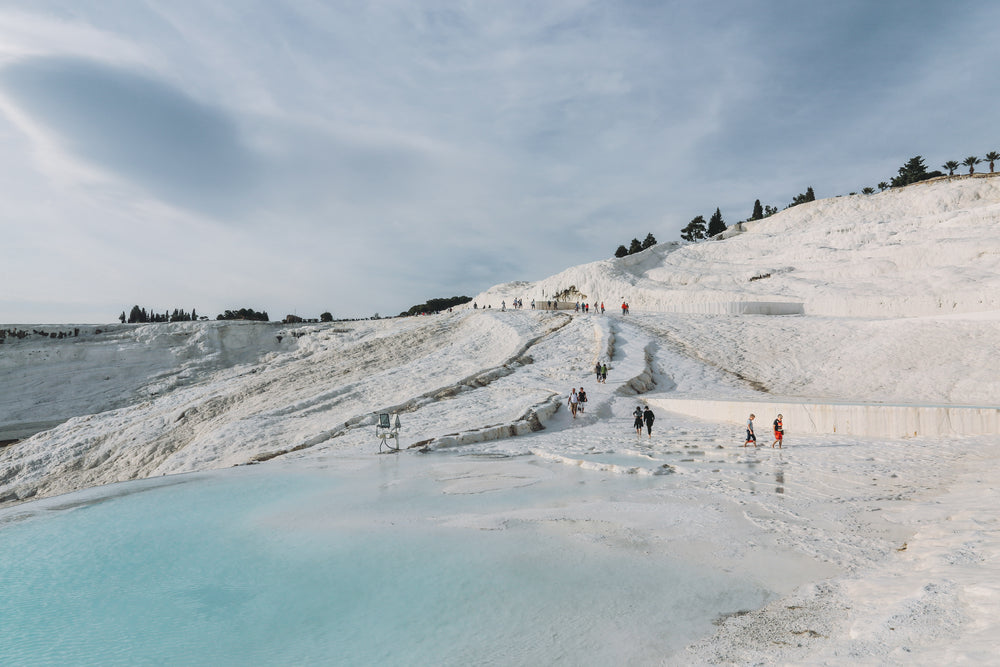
(359, 158)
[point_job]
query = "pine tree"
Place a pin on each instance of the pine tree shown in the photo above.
(649, 241)
(912, 172)
(634, 247)
(621, 252)
(695, 230)
(716, 224)
(758, 211)
(806, 196)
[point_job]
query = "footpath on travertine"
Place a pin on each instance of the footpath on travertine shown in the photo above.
(626, 350)
(625, 353)
(860, 419)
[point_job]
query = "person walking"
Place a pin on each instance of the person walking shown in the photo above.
(581, 397)
(751, 437)
(602, 308)
(574, 402)
(597, 371)
(604, 373)
(779, 432)
(648, 417)
(637, 424)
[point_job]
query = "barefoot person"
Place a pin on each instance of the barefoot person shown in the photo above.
(779, 432)
(637, 425)
(751, 437)
(573, 402)
(581, 399)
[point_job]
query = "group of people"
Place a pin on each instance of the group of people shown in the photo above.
(517, 304)
(779, 431)
(579, 306)
(577, 401)
(643, 416)
(585, 307)
(601, 371)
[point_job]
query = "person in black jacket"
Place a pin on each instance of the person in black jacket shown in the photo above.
(648, 417)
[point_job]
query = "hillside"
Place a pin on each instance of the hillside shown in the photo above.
(895, 298)
(932, 248)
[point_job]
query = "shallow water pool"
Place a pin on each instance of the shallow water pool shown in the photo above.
(404, 561)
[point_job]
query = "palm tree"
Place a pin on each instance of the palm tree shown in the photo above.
(951, 166)
(883, 186)
(992, 156)
(971, 163)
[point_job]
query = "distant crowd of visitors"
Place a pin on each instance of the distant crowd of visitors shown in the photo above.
(578, 306)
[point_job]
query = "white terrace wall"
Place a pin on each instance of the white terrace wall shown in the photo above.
(736, 308)
(910, 306)
(871, 420)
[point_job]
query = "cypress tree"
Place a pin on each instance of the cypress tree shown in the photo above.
(716, 224)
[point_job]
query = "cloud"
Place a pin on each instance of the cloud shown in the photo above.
(379, 154)
(138, 127)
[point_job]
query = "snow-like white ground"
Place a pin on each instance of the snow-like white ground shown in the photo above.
(886, 550)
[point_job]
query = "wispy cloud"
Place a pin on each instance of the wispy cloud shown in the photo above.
(372, 155)
(138, 127)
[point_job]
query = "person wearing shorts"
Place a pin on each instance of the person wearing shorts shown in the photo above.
(751, 437)
(638, 420)
(779, 432)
